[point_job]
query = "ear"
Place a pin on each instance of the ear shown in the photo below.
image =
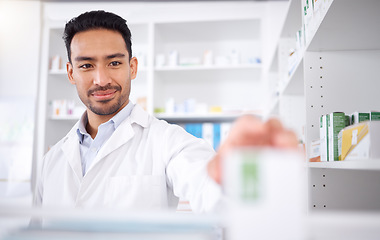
(69, 69)
(133, 64)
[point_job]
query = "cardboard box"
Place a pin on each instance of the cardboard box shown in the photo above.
(348, 120)
(358, 117)
(324, 139)
(375, 116)
(336, 124)
(360, 141)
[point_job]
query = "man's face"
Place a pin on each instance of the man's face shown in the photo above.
(101, 70)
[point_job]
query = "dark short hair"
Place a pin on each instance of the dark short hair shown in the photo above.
(97, 20)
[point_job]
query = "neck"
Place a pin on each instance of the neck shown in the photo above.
(95, 120)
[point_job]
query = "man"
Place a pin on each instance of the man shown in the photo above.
(119, 156)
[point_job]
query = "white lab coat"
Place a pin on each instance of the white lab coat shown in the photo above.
(145, 164)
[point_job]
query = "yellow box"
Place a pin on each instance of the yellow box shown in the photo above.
(360, 141)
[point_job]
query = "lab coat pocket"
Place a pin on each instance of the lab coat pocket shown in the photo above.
(136, 192)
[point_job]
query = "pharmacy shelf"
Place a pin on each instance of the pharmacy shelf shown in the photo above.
(294, 84)
(211, 67)
(58, 72)
(64, 118)
(345, 225)
(273, 108)
(365, 164)
(348, 27)
(290, 26)
(209, 117)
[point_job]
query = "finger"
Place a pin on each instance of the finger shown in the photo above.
(214, 169)
(274, 125)
(285, 139)
(248, 130)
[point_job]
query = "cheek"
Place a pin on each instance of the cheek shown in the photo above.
(123, 78)
(82, 85)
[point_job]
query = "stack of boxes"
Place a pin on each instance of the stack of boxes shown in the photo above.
(337, 139)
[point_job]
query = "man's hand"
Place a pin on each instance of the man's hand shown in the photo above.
(251, 131)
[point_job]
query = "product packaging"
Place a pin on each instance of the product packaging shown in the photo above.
(358, 117)
(322, 140)
(375, 116)
(324, 137)
(337, 123)
(265, 189)
(360, 141)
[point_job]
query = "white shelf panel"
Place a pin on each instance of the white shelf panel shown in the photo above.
(204, 117)
(294, 84)
(58, 72)
(343, 225)
(348, 25)
(212, 67)
(273, 108)
(290, 26)
(189, 31)
(293, 19)
(69, 118)
(373, 164)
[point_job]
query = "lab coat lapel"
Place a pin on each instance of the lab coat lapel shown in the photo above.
(123, 133)
(71, 151)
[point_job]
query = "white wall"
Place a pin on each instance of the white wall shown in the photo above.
(19, 47)
(20, 24)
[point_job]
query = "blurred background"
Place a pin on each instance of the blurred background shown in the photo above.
(199, 62)
(202, 64)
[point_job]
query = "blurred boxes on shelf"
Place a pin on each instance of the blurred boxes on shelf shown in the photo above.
(360, 141)
(63, 108)
(347, 136)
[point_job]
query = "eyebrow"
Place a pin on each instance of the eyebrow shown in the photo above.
(81, 58)
(116, 55)
(84, 58)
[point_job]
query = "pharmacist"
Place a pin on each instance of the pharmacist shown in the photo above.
(117, 155)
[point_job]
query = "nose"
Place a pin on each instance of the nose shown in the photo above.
(101, 77)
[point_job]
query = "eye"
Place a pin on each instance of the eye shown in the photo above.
(115, 63)
(85, 66)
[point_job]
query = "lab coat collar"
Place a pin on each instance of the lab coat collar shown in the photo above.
(122, 135)
(139, 116)
(70, 148)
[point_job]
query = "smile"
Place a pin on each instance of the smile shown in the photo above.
(104, 95)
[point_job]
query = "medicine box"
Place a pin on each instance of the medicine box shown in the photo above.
(375, 116)
(360, 141)
(336, 124)
(358, 117)
(324, 139)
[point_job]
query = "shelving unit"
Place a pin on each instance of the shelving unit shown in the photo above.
(210, 68)
(371, 164)
(230, 84)
(286, 100)
(210, 117)
(190, 41)
(336, 71)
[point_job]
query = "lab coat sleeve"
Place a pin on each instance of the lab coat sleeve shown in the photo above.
(186, 170)
(38, 190)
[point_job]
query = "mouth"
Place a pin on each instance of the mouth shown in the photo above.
(104, 95)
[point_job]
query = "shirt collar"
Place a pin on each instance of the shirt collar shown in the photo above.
(115, 120)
